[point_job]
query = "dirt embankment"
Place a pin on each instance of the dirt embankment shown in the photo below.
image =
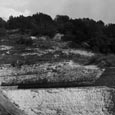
(52, 74)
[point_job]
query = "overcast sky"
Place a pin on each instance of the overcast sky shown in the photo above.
(96, 9)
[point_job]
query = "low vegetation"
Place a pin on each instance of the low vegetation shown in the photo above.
(103, 60)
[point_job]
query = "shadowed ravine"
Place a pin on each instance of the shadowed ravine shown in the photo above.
(107, 78)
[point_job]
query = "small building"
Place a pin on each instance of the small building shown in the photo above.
(33, 37)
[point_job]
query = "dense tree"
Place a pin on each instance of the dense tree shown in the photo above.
(109, 30)
(2, 27)
(98, 36)
(43, 24)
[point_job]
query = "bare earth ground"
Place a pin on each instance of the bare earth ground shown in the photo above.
(70, 101)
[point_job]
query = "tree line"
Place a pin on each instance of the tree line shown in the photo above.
(86, 33)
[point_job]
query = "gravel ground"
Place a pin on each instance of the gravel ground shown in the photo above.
(70, 101)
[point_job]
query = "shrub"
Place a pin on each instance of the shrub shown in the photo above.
(25, 41)
(103, 60)
(2, 32)
(73, 45)
(18, 63)
(68, 37)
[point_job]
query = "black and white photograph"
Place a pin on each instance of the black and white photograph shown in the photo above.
(57, 57)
